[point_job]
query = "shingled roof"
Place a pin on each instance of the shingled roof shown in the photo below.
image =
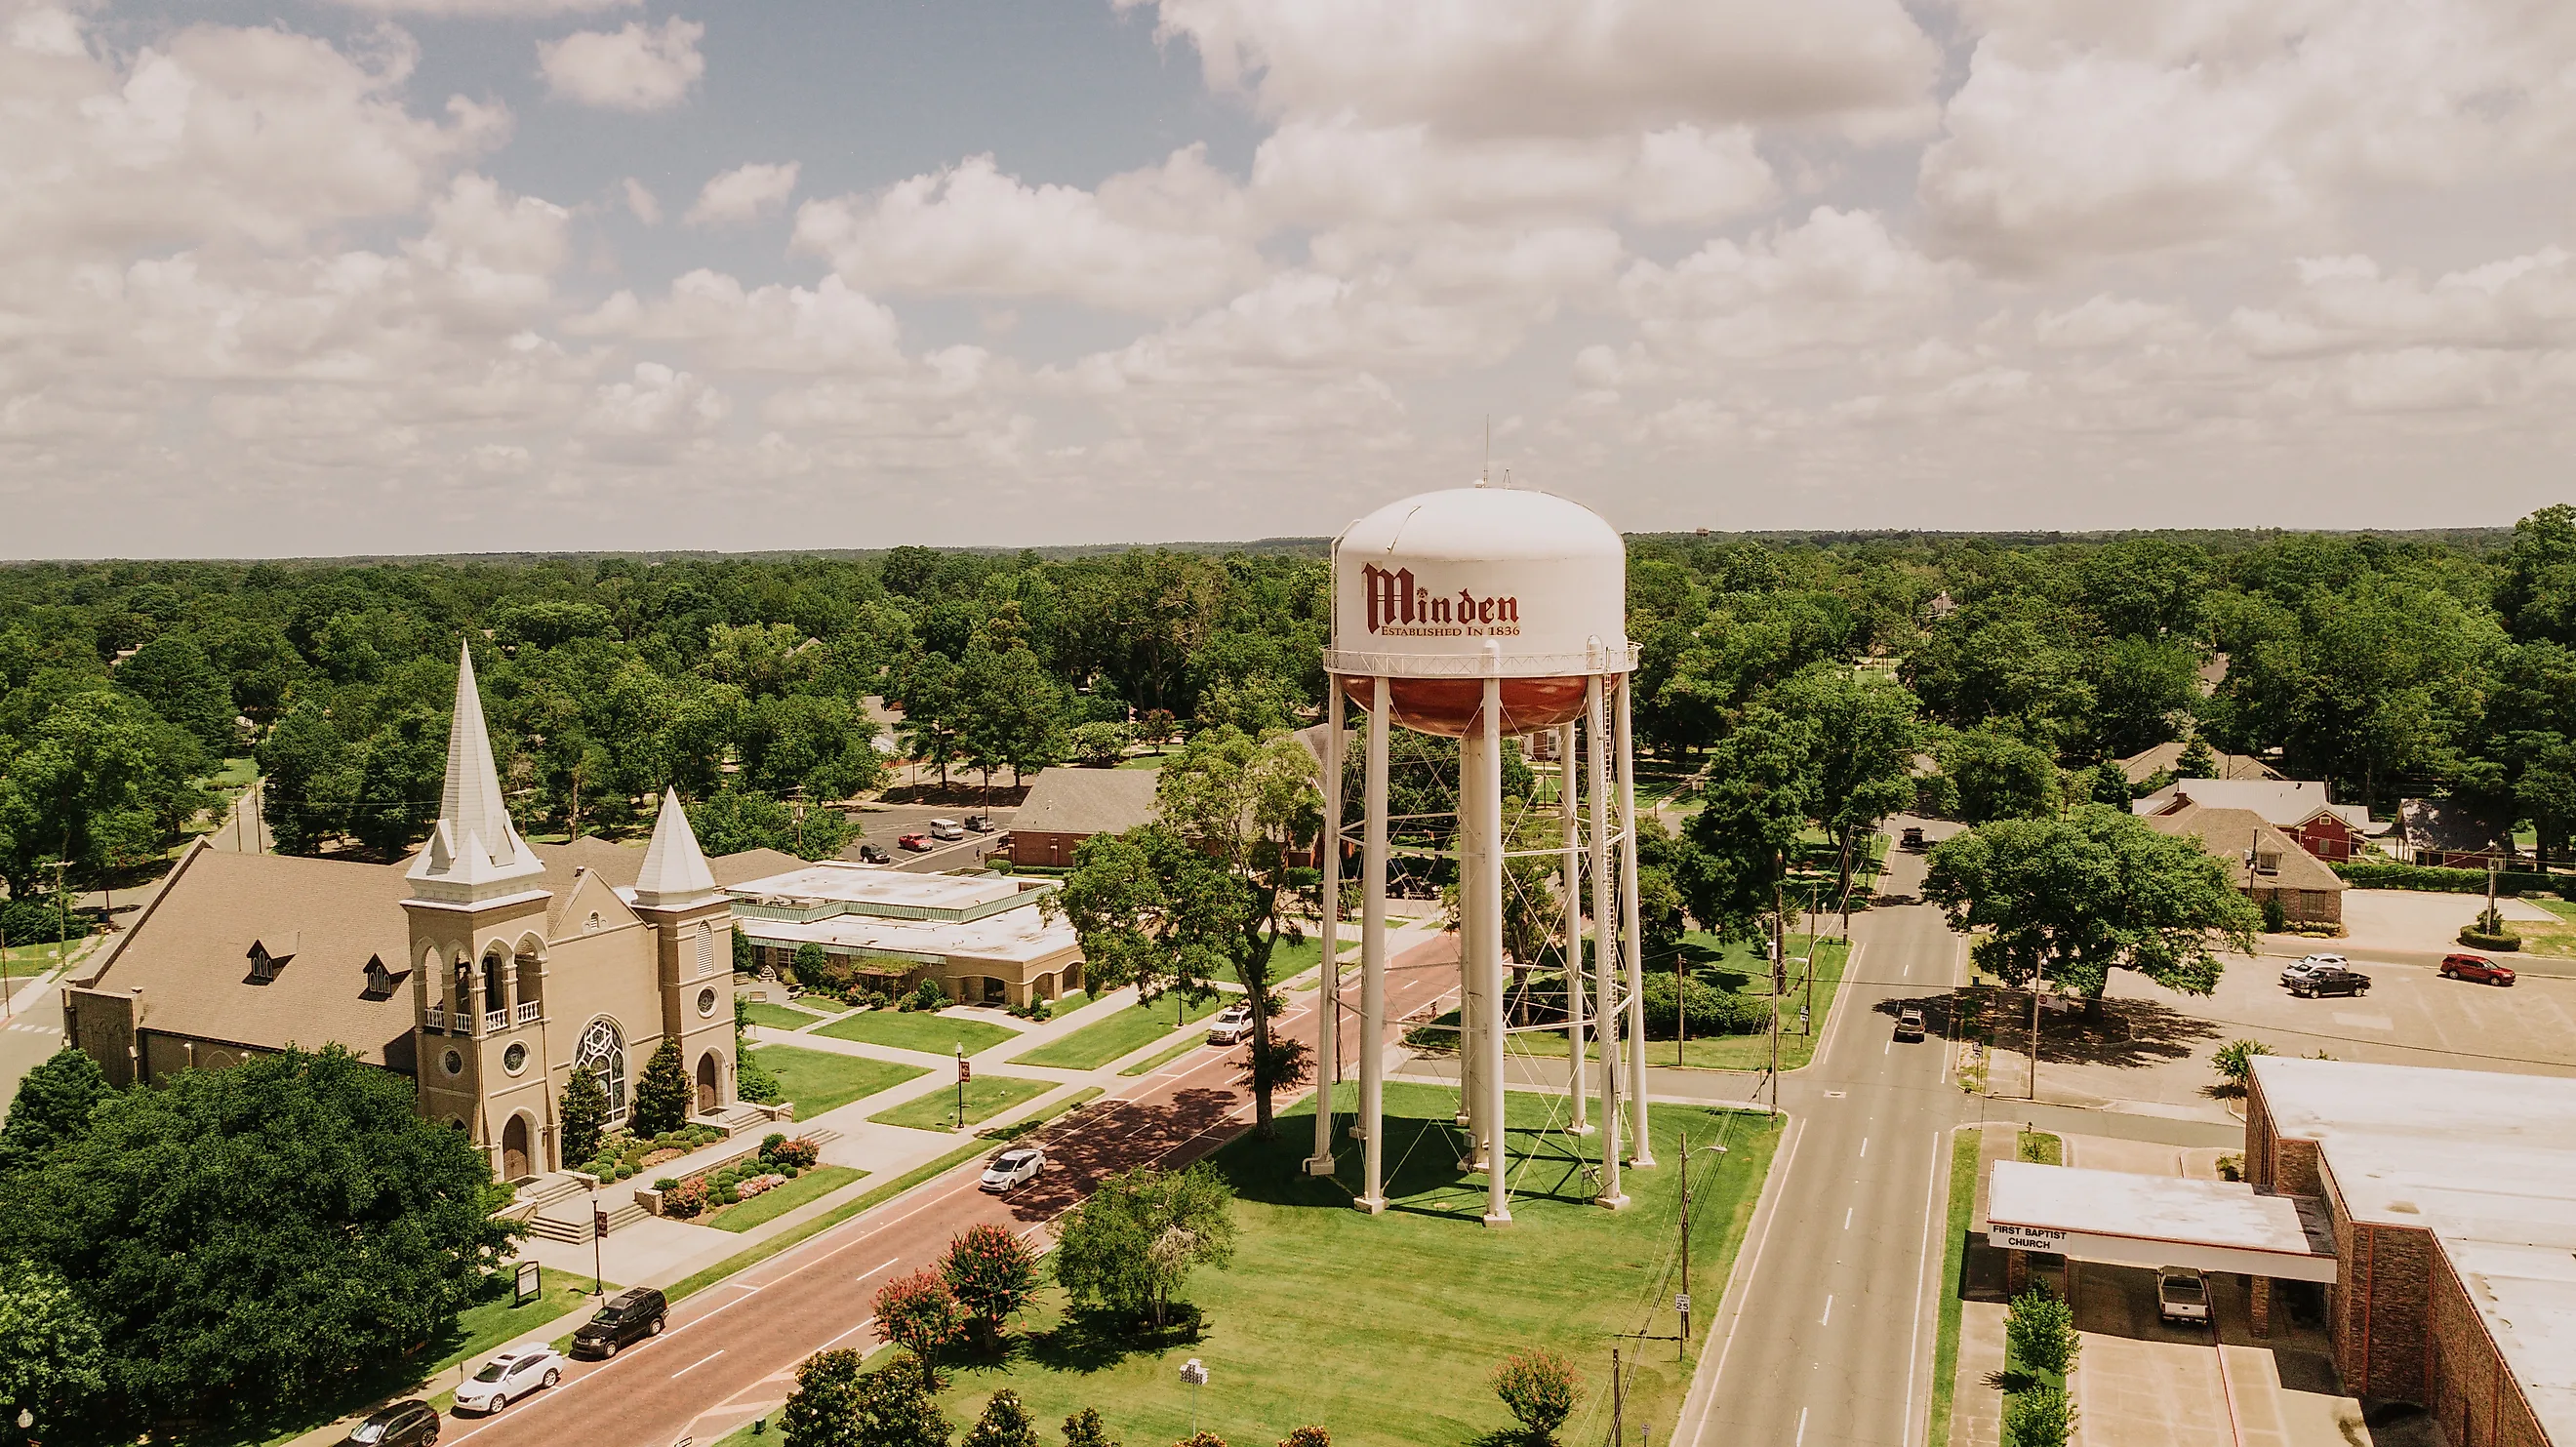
(2229, 834)
(1087, 801)
(2145, 765)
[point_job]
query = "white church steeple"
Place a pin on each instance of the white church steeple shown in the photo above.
(675, 870)
(475, 853)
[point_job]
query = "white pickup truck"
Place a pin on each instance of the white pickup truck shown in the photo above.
(2182, 1296)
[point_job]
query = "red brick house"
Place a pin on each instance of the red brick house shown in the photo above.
(2299, 808)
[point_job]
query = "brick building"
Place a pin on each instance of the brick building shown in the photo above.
(2267, 864)
(2452, 1198)
(1067, 806)
(2299, 808)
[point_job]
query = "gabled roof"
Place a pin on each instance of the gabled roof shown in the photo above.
(2145, 765)
(1087, 801)
(2445, 824)
(2286, 803)
(2228, 834)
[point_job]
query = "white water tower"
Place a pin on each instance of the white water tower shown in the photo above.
(1478, 613)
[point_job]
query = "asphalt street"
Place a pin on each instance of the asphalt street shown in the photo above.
(730, 1352)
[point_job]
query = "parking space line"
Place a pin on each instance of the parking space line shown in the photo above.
(700, 1362)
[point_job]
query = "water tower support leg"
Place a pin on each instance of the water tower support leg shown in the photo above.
(1641, 1149)
(1373, 961)
(1489, 961)
(1328, 997)
(1471, 974)
(1605, 950)
(1578, 1121)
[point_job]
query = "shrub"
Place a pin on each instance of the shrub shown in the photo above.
(1085, 1429)
(625, 1172)
(1711, 1011)
(758, 1184)
(772, 1141)
(1540, 1391)
(1307, 1437)
(2039, 1417)
(928, 996)
(685, 1199)
(2234, 1062)
(2378, 874)
(2039, 1334)
(1005, 1423)
(662, 1095)
(919, 1313)
(1201, 1439)
(780, 1151)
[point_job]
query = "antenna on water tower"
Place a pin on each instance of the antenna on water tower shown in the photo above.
(1486, 477)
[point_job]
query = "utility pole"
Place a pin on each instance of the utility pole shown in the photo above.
(1618, 1401)
(2034, 1035)
(1681, 1348)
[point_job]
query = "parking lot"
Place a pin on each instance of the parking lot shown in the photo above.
(2151, 1051)
(883, 827)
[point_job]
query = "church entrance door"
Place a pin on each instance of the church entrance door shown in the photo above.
(708, 1089)
(514, 1149)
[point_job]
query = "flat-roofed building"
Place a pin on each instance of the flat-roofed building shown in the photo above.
(985, 938)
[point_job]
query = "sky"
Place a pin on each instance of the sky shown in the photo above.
(326, 277)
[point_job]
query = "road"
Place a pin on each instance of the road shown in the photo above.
(730, 1352)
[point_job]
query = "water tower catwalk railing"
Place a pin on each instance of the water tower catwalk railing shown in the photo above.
(1586, 710)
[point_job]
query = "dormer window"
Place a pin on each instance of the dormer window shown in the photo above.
(380, 981)
(264, 966)
(2267, 861)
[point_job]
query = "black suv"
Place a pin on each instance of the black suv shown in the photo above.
(629, 1317)
(2330, 980)
(404, 1424)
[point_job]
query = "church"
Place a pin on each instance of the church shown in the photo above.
(486, 969)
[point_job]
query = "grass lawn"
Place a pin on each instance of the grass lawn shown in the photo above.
(817, 1080)
(21, 961)
(1954, 1261)
(2557, 939)
(1038, 1119)
(2040, 1147)
(235, 774)
(1738, 968)
(771, 1204)
(1101, 1041)
(935, 1034)
(778, 1017)
(1411, 1364)
(986, 1096)
(1158, 1060)
(1068, 1002)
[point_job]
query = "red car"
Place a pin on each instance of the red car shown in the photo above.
(918, 843)
(2476, 967)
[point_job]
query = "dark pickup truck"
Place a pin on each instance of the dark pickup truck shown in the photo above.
(2330, 980)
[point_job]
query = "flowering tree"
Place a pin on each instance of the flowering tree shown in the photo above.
(992, 1274)
(1539, 1389)
(918, 1312)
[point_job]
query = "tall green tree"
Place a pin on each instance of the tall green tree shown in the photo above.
(2537, 595)
(96, 768)
(173, 675)
(1996, 776)
(1867, 732)
(52, 1108)
(1131, 1244)
(53, 1360)
(1760, 793)
(583, 1116)
(992, 1273)
(254, 1234)
(661, 1093)
(2070, 898)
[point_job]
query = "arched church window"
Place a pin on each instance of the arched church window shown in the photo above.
(706, 948)
(603, 1053)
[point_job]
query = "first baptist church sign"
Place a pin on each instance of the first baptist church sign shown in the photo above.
(1400, 608)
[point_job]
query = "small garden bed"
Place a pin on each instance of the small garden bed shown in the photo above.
(707, 1194)
(622, 1157)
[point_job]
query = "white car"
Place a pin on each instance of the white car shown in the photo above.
(1014, 1167)
(1231, 1026)
(2311, 965)
(508, 1377)
(947, 829)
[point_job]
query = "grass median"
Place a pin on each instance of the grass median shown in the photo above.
(778, 1017)
(1412, 1353)
(985, 1096)
(917, 1030)
(797, 1235)
(1126, 1031)
(1964, 1145)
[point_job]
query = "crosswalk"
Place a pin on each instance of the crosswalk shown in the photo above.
(32, 1027)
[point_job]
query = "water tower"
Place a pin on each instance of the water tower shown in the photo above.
(1481, 614)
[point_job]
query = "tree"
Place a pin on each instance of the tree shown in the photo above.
(897, 1407)
(2039, 1333)
(52, 1107)
(823, 1411)
(1761, 784)
(1131, 1245)
(1011, 711)
(2234, 1062)
(2196, 761)
(1868, 730)
(2071, 898)
(255, 1234)
(309, 780)
(2000, 777)
(172, 674)
(661, 1093)
(931, 714)
(1005, 1423)
(992, 1273)
(1098, 745)
(1540, 1391)
(918, 1312)
(1156, 726)
(1085, 1429)
(2038, 1416)
(53, 1361)
(94, 765)
(1202, 893)
(2538, 593)
(583, 1114)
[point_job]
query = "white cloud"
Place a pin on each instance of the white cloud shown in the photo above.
(636, 68)
(1322, 173)
(971, 230)
(773, 328)
(488, 9)
(1548, 67)
(2104, 320)
(2087, 129)
(641, 202)
(744, 193)
(1836, 281)
(648, 418)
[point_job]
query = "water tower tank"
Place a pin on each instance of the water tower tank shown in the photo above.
(1441, 591)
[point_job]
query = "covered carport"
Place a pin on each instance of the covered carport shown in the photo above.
(2121, 1219)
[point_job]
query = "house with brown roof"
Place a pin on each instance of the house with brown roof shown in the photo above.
(2300, 808)
(2147, 763)
(487, 969)
(2264, 862)
(1067, 806)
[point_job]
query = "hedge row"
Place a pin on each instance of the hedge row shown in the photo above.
(2373, 874)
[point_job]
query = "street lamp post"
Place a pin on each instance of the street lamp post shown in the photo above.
(1683, 1301)
(1195, 1373)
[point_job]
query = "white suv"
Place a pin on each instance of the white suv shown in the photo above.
(1232, 1025)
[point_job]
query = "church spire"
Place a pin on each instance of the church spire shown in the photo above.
(475, 852)
(675, 869)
